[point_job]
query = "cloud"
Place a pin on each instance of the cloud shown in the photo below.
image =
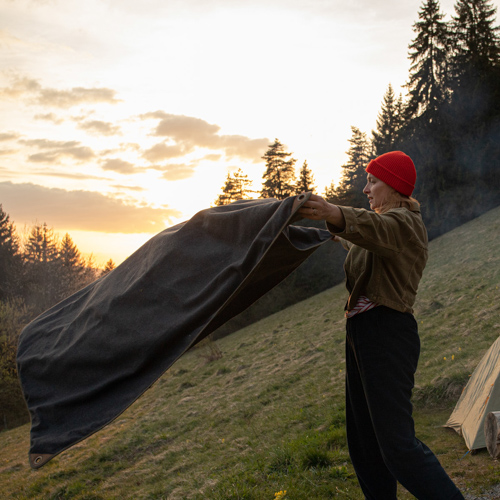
(212, 157)
(45, 96)
(133, 146)
(80, 210)
(81, 153)
(238, 145)
(98, 127)
(48, 144)
(56, 150)
(184, 128)
(162, 151)
(120, 166)
(188, 133)
(51, 117)
(6, 152)
(75, 96)
(8, 136)
(67, 175)
(177, 171)
(128, 188)
(19, 87)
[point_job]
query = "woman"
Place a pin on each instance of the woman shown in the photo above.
(387, 254)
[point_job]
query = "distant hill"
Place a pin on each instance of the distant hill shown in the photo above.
(269, 415)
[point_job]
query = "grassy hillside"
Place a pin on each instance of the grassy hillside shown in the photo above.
(268, 417)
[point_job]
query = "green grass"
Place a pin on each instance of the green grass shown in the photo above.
(269, 415)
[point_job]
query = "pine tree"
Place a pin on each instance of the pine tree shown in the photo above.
(236, 187)
(41, 245)
(68, 254)
(475, 41)
(349, 192)
(41, 280)
(389, 122)
(10, 260)
(329, 193)
(242, 185)
(225, 198)
(475, 104)
(306, 179)
(475, 63)
(429, 58)
(110, 265)
(70, 271)
(279, 177)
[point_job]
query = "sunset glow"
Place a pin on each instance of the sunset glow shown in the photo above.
(120, 118)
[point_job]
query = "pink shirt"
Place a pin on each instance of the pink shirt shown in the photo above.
(362, 305)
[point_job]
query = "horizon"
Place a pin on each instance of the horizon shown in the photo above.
(120, 120)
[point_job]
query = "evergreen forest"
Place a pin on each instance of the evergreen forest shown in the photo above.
(448, 123)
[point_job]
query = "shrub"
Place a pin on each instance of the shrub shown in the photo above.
(13, 411)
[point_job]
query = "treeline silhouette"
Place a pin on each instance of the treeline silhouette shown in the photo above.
(36, 271)
(448, 122)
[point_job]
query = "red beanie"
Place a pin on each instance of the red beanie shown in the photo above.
(396, 169)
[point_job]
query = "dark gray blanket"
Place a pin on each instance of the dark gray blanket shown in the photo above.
(85, 360)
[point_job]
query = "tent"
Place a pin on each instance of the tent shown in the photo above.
(480, 396)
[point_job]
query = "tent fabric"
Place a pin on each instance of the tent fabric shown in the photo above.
(480, 396)
(88, 358)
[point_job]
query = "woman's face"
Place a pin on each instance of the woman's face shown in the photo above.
(377, 191)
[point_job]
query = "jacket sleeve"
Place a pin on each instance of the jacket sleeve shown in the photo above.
(346, 244)
(383, 234)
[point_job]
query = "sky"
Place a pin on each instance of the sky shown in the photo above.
(119, 118)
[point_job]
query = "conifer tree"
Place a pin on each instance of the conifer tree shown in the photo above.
(242, 185)
(70, 271)
(475, 62)
(429, 58)
(389, 122)
(10, 260)
(225, 197)
(306, 179)
(475, 104)
(236, 187)
(41, 245)
(329, 193)
(349, 192)
(279, 177)
(475, 38)
(109, 266)
(41, 281)
(69, 255)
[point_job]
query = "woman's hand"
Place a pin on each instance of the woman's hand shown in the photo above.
(317, 208)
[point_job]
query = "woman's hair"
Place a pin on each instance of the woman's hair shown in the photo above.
(396, 200)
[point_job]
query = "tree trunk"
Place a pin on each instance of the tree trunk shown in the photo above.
(492, 433)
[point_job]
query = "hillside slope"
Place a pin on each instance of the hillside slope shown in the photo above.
(268, 415)
(458, 307)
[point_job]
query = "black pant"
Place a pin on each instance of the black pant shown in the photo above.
(382, 350)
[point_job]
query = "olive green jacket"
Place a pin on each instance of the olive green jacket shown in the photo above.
(387, 255)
